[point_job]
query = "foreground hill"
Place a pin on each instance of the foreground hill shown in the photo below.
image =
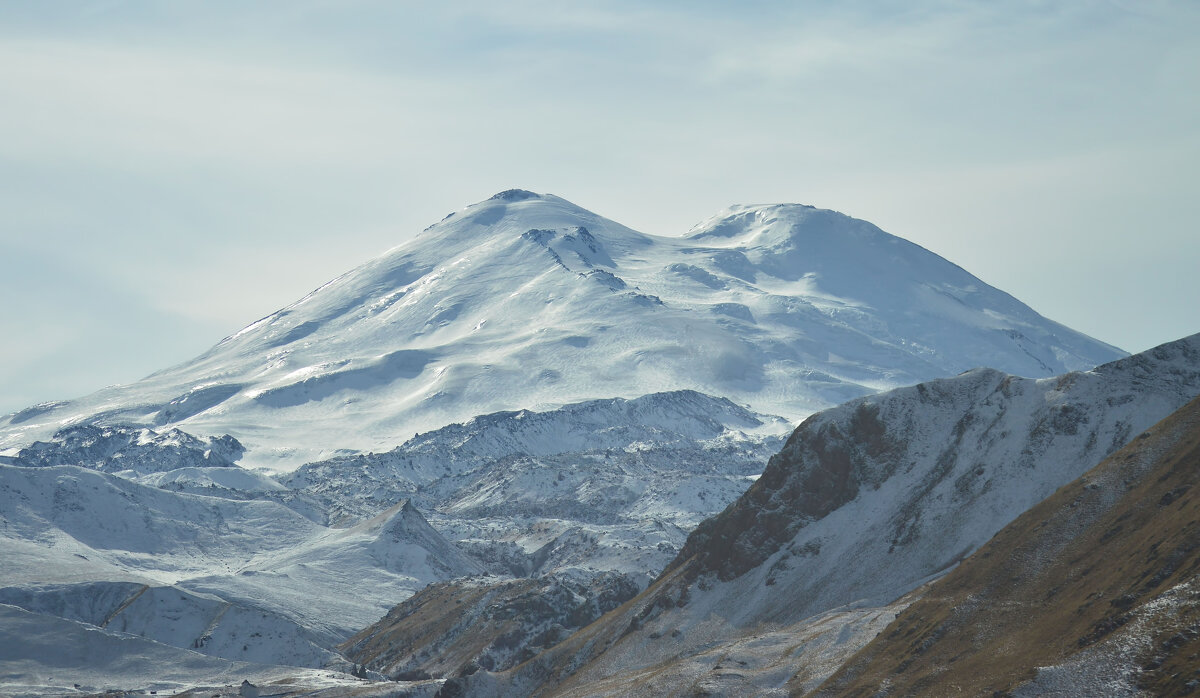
(865, 503)
(528, 301)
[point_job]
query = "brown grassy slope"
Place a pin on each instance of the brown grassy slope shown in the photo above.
(408, 639)
(543, 674)
(1074, 573)
(458, 627)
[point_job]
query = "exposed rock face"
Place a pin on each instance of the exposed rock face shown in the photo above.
(819, 469)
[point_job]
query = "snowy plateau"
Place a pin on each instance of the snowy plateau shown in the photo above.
(527, 390)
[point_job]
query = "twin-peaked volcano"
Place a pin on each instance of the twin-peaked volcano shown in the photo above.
(528, 301)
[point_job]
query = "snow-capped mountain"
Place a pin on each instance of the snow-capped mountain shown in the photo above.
(526, 301)
(865, 503)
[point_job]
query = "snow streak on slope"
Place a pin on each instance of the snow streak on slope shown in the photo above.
(528, 301)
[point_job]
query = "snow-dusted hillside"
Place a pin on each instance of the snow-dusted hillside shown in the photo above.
(600, 485)
(455, 627)
(922, 476)
(526, 301)
(864, 503)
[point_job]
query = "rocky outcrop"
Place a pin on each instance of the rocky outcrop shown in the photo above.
(116, 448)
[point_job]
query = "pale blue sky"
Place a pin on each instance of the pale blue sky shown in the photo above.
(170, 172)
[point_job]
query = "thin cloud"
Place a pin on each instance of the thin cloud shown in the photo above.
(218, 160)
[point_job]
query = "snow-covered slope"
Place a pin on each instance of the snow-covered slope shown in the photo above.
(179, 618)
(44, 655)
(866, 502)
(528, 301)
(231, 578)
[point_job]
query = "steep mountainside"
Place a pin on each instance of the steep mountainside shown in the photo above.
(865, 503)
(1095, 591)
(927, 474)
(528, 301)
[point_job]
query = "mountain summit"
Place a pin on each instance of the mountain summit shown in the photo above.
(528, 301)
